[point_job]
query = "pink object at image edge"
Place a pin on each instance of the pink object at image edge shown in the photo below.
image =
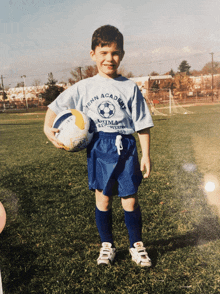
(2, 217)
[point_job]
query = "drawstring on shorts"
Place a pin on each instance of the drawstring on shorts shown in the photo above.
(118, 143)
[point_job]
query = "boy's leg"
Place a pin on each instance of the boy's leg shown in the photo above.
(103, 215)
(133, 223)
(104, 224)
(133, 218)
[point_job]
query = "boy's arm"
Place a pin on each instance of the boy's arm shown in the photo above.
(144, 138)
(49, 131)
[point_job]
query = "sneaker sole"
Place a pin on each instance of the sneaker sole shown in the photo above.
(149, 264)
(107, 263)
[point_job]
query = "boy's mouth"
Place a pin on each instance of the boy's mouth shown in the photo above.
(110, 66)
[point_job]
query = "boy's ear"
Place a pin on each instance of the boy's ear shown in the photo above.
(92, 55)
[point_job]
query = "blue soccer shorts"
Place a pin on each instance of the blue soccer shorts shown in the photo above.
(106, 167)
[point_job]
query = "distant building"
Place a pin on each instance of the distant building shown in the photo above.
(205, 81)
(202, 82)
(142, 82)
(145, 82)
(29, 93)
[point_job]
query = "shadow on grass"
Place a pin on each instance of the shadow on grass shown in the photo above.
(208, 230)
(121, 256)
(17, 256)
(31, 202)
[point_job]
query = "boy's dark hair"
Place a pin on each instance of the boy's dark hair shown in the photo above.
(106, 35)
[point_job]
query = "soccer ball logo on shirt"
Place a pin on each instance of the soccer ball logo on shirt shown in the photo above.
(106, 109)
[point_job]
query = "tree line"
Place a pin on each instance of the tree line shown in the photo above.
(79, 73)
(180, 81)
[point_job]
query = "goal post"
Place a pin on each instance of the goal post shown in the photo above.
(168, 109)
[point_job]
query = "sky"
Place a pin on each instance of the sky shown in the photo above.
(42, 36)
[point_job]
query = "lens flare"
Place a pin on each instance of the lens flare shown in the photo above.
(189, 167)
(210, 186)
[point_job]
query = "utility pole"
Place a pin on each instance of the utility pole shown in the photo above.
(3, 90)
(24, 76)
(212, 74)
(80, 72)
(2, 83)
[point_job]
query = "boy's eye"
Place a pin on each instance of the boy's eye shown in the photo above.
(113, 53)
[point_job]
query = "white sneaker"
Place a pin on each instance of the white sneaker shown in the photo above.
(107, 254)
(139, 254)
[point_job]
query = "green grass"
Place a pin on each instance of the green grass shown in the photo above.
(50, 243)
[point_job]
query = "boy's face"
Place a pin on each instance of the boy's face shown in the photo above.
(107, 59)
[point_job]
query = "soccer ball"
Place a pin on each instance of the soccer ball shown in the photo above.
(74, 129)
(106, 109)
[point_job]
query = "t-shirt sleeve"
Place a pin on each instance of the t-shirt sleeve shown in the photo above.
(66, 100)
(140, 112)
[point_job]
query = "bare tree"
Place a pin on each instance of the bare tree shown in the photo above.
(182, 84)
(80, 73)
(122, 71)
(90, 71)
(76, 76)
(207, 69)
(154, 73)
(36, 83)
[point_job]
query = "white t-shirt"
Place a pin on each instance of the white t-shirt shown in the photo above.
(114, 105)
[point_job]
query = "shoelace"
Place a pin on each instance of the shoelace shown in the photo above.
(118, 143)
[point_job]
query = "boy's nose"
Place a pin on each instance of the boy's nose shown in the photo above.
(109, 56)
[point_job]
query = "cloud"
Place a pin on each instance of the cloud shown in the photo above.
(187, 50)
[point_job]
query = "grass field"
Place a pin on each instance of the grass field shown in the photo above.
(50, 243)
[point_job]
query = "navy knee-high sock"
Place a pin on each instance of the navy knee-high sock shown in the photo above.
(133, 223)
(104, 225)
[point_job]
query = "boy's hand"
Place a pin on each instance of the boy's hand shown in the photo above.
(50, 133)
(145, 166)
(49, 130)
(144, 138)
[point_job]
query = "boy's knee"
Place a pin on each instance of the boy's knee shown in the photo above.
(129, 203)
(103, 203)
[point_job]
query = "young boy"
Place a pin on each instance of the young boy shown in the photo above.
(117, 109)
